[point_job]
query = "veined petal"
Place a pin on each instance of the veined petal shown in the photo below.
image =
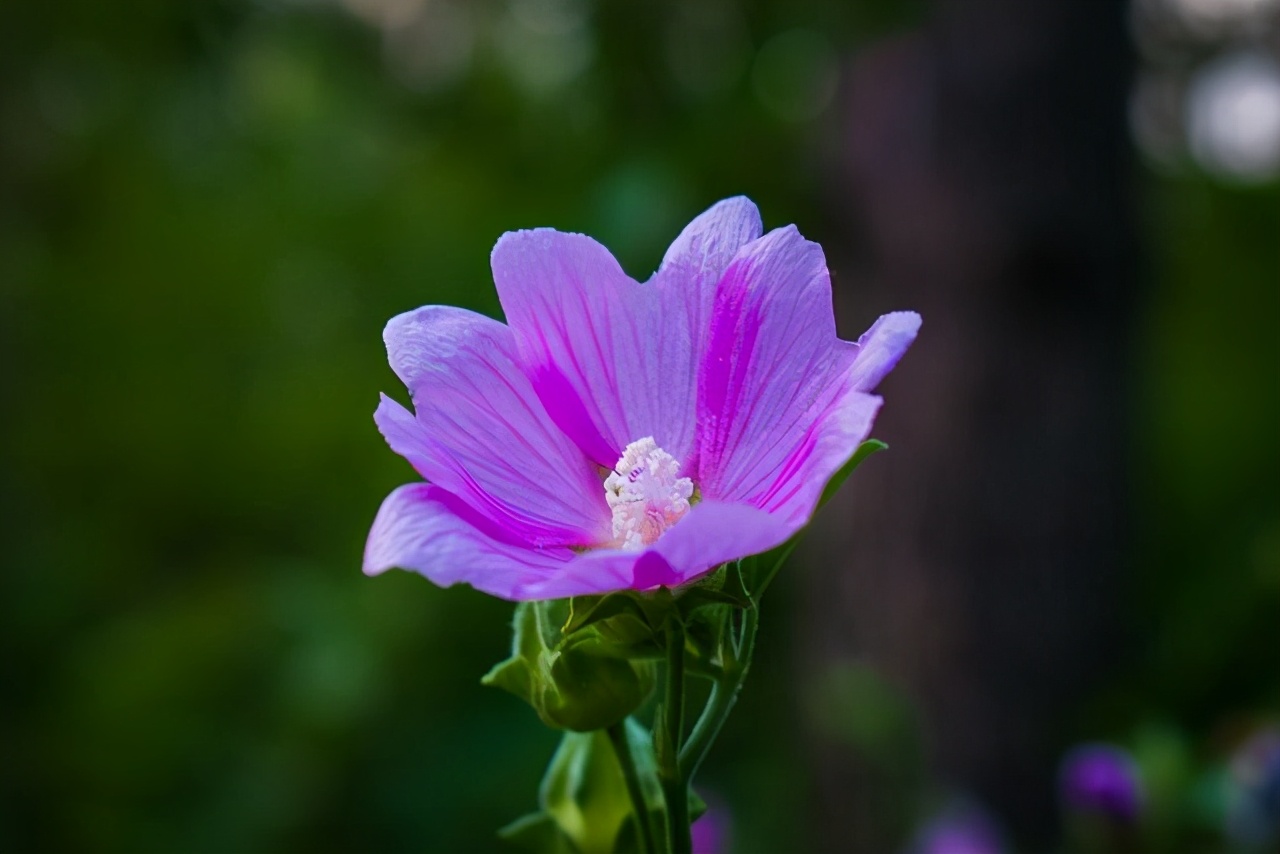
(612, 359)
(480, 431)
(686, 282)
(834, 437)
(423, 528)
(828, 444)
(691, 270)
(772, 367)
(593, 341)
(708, 243)
(881, 346)
(712, 533)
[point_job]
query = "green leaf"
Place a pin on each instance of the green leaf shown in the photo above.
(641, 742)
(864, 450)
(585, 793)
(628, 839)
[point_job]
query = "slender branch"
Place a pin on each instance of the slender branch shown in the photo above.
(724, 693)
(675, 785)
(622, 749)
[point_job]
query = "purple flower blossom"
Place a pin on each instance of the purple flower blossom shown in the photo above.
(1098, 779)
(616, 435)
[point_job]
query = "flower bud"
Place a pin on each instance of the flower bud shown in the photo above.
(581, 682)
(582, 691)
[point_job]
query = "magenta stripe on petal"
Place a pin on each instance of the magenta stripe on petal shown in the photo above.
(480, 431)
(421, 527)
(772, 366)
(826, 447)
(612, 359)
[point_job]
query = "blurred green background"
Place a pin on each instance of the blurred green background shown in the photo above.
(208, 210)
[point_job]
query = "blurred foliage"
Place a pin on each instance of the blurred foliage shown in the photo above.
(207, 212)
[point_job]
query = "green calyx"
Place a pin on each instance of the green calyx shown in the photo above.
(579, 681)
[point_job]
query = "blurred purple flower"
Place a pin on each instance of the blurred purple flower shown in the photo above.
(1101, 780)
(958, 831)
(1253, 817)
(616, 435)
(711, 832)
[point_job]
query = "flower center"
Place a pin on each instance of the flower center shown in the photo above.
(646, 494)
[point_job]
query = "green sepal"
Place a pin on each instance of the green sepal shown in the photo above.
(627, 619)
(697, 806)
(758, 571)
(580, 682)
(864, 450)
(722, 587)
(632, 622)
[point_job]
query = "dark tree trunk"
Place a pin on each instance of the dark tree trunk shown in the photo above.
(979, 564)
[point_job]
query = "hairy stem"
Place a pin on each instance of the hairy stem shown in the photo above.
(675, 785)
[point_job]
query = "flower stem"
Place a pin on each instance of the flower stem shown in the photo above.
(675, 785)
(724, 693)
(622, 749)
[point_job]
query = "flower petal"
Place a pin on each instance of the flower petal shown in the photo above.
(582, 327)
(712, 533)
(828, 445)
(708, 243)
(423, 528)
(693, 266)
(838, 432)
(481, 433)
(614, 360)
(881, 346)
(773, 365)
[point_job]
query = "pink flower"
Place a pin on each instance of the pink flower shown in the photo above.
(616, 435)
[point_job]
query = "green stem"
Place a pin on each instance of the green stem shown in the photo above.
(675, 786)
(724, 693)
(622, 749)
